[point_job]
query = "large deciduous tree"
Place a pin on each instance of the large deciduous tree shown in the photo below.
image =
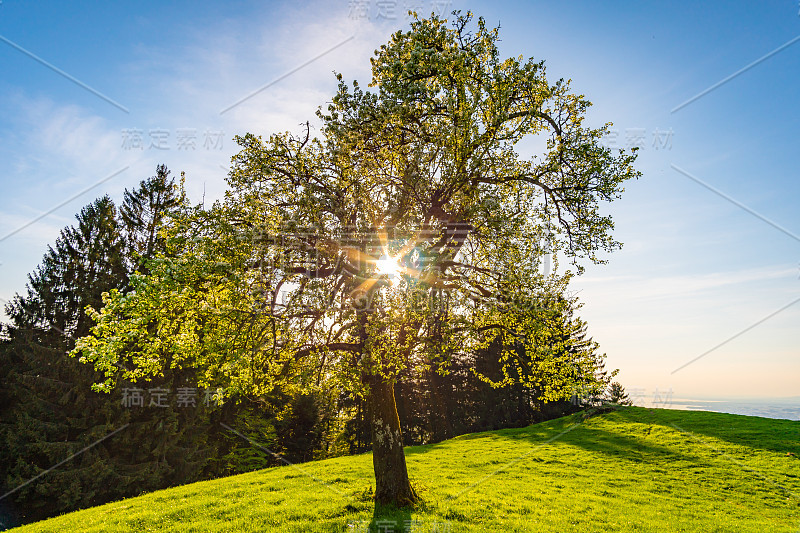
(409, 229)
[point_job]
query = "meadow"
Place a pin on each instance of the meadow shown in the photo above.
(628, 469)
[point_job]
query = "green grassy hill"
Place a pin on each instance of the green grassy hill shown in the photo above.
(634, 469)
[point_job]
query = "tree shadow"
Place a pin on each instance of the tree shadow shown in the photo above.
(621, 447)
(774, 435)
(390, 519)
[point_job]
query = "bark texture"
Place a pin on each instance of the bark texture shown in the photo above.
(392, 485)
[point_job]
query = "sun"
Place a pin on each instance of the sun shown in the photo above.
(388, 266)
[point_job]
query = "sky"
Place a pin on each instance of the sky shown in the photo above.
(703, 300)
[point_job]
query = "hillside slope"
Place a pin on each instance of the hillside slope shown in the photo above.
(634, 469)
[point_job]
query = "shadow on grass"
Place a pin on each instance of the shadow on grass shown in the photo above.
(774, 435)
(543, 430)
(634, 442)
(619, 446)
(388, 518)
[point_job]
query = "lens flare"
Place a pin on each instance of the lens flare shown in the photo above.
(388, 266)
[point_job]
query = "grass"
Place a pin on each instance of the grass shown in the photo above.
(634, 469)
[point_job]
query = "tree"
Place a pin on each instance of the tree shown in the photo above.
(143, 211)
(47, 409)
(617, 394)
(49, 417)
(409, 230)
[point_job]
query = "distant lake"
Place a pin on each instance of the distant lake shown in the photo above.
(787, 408)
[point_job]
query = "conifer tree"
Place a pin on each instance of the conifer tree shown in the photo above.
(54, 415)
(143, 211)
(48, 409)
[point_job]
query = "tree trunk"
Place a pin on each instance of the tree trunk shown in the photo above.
(391, 476)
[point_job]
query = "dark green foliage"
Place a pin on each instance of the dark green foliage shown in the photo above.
(142, 213)
(49, 411)
(282, 429)
(50, 414)
(617, 394)
(300, 428)
(439, 405)
(243, 456)
(87, 260)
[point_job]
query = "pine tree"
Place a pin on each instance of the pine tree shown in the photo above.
(49, 411)
(142, 213)
(617, 394)
(54, 415)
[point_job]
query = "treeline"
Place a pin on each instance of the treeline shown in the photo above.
(151, 435)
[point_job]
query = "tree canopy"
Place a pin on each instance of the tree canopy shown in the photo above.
(408, 230)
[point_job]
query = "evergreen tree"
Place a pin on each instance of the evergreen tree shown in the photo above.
(53, 414)
(479, 393)
(48, 411)
(617, 394)
(142, 213)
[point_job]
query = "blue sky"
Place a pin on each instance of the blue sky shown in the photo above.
(711, 230)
